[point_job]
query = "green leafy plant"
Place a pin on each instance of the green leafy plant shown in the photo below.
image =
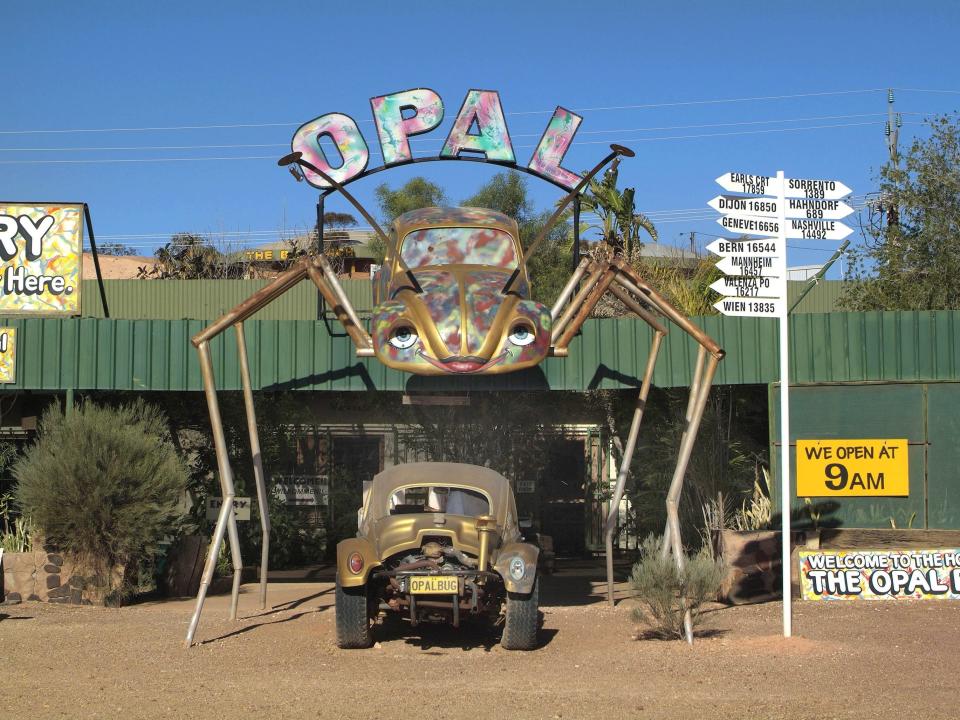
(665, 592)
(103, 484)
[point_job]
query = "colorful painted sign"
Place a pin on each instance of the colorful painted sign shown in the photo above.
(8, 355)
(41, 247)
(852, 468)
(479, 131)
(880, 574)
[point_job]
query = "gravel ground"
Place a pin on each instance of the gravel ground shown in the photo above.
(848, 660)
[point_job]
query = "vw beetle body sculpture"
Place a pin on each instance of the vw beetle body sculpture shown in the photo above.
(437, 542)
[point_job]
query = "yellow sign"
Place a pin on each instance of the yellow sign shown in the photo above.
(852, 468)
(40, 246)
(8, 355)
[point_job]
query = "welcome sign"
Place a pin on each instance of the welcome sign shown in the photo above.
(41, 247)
(880, 574)
(479, 131)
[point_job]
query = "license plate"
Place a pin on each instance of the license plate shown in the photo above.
(433, 585)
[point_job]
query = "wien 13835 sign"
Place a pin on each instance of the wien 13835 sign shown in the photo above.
(41, 246)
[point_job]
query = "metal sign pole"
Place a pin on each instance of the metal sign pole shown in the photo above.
(784, 414)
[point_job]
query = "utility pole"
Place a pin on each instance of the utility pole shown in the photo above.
(892, 132)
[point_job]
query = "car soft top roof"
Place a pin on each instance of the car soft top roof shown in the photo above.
(454, 217)
(444, 474)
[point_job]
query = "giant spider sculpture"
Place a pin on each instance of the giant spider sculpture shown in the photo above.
(452, 298)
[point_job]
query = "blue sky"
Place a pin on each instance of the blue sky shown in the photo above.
(106, 65)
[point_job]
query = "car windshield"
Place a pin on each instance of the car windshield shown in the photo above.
(433, 498)
(459, 245)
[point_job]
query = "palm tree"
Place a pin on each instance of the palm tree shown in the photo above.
(620, 223)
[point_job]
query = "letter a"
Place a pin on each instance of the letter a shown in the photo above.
(480, 107)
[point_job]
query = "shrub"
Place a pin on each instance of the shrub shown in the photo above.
(665, 592)
(103, 484)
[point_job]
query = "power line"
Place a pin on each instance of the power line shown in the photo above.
(422, 140)
(225, 126)
(97, 161)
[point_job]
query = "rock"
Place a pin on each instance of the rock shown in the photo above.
(34, 597)
(53, 581)
(55, 559)
(13, 598)
(54, 569)
(76, 597)
(59, 600)
(86, 602)
(76, 582)
(58, 592)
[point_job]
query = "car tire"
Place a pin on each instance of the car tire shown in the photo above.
(522, 619)
(353, 618)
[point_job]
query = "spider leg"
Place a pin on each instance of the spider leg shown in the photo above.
(624, 283)
(322, 275)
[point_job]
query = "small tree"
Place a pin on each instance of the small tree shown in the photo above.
(911, 256)
(103, 484)
(665, 592)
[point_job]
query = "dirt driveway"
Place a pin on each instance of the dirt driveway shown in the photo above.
(858, 660)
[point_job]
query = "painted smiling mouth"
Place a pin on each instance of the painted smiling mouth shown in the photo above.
(464, 365)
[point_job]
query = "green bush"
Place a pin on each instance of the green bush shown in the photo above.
(103, 484)
(664, 592)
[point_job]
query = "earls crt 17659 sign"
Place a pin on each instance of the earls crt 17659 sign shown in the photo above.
(864, 468)
(41, 250)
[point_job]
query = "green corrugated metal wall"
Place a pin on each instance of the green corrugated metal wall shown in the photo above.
(209, 299)
(93, 353)
(924, 413)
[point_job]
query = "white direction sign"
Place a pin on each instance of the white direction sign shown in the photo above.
(745, 183)
(810, 208)
(792, 187)
(751, 307)
(748, 287)
(816, 208)
(821, 189)
(817, 229)
(750, 224)
(761, 246)
(758, 265)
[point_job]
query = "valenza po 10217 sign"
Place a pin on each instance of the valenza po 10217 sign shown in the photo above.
(852, 468)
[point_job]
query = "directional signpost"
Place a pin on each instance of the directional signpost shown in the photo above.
(767, 211)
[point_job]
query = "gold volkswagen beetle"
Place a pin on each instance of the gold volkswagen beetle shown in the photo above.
(438, 542)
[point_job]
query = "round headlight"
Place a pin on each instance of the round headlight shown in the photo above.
(517, 568)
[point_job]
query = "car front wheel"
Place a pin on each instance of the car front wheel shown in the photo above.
(520, 625)
(353, 617)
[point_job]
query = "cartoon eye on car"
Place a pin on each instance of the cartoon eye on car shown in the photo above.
(440, 305)
(437, 543)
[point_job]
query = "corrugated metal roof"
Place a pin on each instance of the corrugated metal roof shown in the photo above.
(92, 353)
(209, 299)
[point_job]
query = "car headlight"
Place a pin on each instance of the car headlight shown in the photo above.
(517, 568)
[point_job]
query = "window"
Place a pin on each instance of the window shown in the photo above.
(471, 246)
(429, 499)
